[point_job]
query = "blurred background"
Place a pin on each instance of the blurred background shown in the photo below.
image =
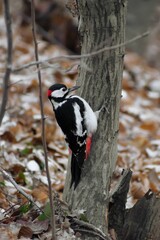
(21, 151)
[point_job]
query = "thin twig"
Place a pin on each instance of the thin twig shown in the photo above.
(43, 122)
(73, 57)
(19, 189)
(8, 61)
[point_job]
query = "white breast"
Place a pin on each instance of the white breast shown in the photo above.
(90, 117)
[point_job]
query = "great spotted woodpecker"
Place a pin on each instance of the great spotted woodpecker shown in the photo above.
(77, 121)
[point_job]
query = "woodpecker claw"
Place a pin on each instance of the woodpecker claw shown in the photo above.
(104, 107)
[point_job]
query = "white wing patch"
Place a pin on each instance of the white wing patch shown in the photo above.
(90, 117)
(78, 119)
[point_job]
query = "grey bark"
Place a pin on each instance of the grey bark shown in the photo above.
(139, 222)
(117, 205)
(101, 23)
(142, 221)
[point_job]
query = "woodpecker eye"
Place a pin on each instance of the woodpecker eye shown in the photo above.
(63, 89)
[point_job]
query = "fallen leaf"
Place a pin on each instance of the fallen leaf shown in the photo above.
(25, 232)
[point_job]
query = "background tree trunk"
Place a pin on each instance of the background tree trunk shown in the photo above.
(101, 23)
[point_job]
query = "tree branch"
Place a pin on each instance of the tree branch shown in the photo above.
(8, 61)
(43, 122)
(87, 55)
(87, 228)
(19, 189)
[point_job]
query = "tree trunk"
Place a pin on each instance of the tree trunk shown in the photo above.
(101, 23)
(142, 221)
(137, 223)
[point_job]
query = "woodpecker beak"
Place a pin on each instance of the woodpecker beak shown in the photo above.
(73, 88)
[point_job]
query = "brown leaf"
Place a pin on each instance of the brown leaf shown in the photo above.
(59, 187)
(149, 126)
(25, 232)
(3, 201)
(16, 168)
(140, 141)
(8, 136)
(154, 181)
(138, 190)
(34, 227)
(40, 194)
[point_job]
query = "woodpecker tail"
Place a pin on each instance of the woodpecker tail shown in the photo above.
(77, 161)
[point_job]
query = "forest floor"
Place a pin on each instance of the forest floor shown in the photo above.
(21, 153)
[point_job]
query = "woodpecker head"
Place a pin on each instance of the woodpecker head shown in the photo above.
(59, 92)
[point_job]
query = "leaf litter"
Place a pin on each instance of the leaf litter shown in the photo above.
(20, 135)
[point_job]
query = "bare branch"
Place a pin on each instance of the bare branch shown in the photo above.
(43, 121)
(87, 55)
(91, 232)
(8, 61)
(85, 227)
(19, 189)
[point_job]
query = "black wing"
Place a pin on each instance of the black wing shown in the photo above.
(65, 116)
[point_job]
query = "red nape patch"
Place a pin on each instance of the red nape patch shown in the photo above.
(88, 146)
(49, 93)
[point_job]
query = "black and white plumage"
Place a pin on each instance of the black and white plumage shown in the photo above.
(77, 121)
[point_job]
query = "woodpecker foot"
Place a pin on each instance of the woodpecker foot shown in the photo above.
(104, 108)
